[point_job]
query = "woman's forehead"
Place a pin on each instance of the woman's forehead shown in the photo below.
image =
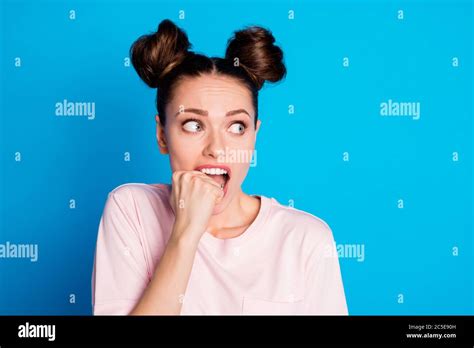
(212, 91)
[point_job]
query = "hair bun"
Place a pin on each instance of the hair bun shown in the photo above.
(156, 54)
(254, 47)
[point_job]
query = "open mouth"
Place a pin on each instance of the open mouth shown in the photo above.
(219, 174)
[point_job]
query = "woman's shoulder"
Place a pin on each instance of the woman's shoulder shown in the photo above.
(140, 189)
(140, 194)
(299, 222)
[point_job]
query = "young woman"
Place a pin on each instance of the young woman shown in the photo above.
(201, 245)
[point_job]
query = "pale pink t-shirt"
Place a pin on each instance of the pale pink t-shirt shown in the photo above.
(284, 263)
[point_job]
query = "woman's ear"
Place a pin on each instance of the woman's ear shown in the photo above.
(160, 136)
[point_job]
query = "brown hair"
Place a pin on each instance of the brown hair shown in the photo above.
(163, 58)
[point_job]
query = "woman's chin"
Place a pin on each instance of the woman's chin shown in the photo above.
(220, 207)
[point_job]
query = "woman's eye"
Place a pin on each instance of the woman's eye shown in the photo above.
(192, 126)
(237, 128)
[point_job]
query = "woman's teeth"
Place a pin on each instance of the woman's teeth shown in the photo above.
(213, 171)
(220, 175)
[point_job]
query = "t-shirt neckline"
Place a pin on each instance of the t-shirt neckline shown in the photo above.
(249, 233)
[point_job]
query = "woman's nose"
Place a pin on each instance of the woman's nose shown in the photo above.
(214, 145)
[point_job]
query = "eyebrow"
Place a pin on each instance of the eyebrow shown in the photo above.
(205, 113)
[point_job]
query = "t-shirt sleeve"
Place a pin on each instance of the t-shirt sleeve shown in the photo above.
(120, 271)
(324, 292)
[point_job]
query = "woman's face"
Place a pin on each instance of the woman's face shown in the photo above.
(210, 123)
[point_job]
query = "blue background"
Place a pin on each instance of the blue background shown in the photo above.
(408, 250)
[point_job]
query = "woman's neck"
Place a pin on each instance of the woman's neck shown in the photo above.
(237, 216)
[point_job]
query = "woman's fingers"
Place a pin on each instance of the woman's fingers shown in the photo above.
(184, 181)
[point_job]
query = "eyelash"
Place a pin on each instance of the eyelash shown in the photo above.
(202, 126)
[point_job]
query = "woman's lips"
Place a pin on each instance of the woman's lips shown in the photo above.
(226, 185)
